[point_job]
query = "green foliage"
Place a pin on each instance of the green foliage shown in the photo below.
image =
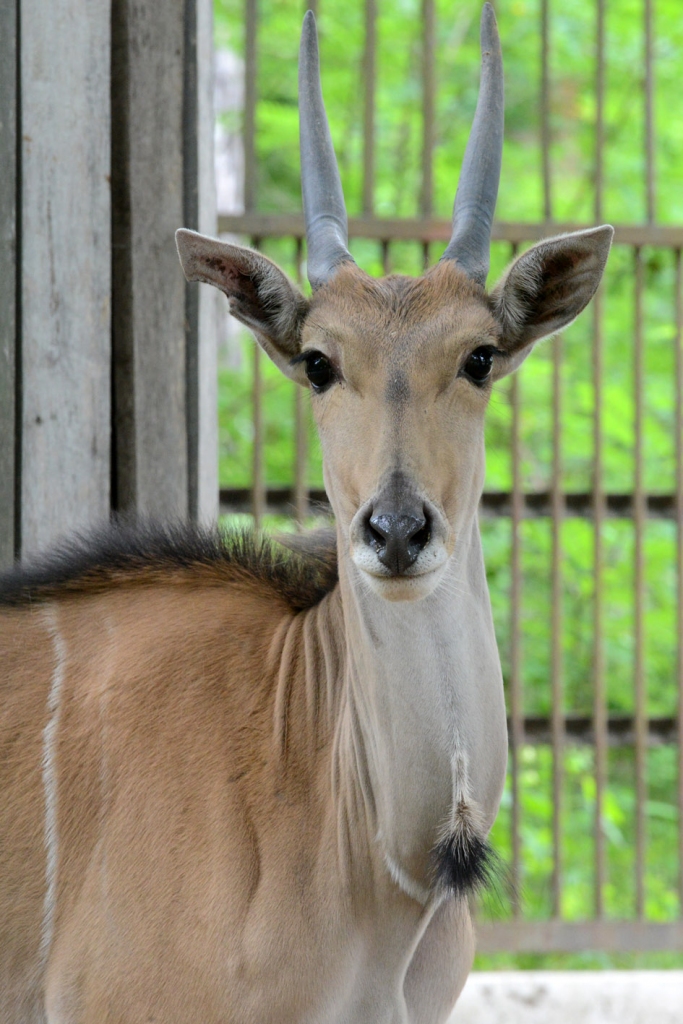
(397, 191)
(398, 103)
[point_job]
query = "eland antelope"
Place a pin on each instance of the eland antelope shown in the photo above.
(240, 784)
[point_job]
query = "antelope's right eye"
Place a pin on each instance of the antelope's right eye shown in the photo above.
(319, 371)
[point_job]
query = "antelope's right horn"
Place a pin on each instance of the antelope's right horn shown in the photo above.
(475, 199)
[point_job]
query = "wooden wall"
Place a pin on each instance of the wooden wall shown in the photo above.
(8, 277)
(107, 358)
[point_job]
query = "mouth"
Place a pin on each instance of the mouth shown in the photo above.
(413, 584)
(429, 561)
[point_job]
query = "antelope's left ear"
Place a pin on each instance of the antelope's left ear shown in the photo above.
(547, 287)
(259, 294)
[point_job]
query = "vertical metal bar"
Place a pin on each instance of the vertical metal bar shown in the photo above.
(516, 691)
(599, 109)
(599, 695)
(386, 257)
(556, 627)
(369, 62)
(428, 91)
(545, 111)
(250, 23)
(300, 430)
(639, 518)
(557, 500)
(191, 220)
(301, 503)
(258, 487)
(678, 341)
(599, 690)
(649, 118)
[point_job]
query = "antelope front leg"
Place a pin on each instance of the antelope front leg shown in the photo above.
(442, 961)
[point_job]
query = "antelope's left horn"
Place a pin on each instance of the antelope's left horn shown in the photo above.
(324, 209)
(475, 200)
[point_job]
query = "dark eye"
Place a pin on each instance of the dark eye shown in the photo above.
(319, 370)
(478, 364)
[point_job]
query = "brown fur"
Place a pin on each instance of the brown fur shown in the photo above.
(377, 305)
(222, 772)
(192, 759)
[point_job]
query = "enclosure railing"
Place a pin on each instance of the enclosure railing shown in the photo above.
(556, 730)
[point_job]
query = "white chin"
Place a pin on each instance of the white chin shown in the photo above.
(403, 588)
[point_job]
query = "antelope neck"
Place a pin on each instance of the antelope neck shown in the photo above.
(426, 725)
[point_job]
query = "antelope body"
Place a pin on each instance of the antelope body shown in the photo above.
(240, 784)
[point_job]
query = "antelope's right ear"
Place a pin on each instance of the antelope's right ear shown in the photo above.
(259, 294)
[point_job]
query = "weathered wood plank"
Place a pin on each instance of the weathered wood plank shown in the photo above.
(578, 936)
(207, 329)
(8, 274)
(201, 311)
(274, 225)
(150, 422)
(65, 266)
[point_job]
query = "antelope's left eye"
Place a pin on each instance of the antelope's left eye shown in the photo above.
(319, 370)
(478, 365)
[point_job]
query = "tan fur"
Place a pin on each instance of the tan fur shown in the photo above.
(194, 804)
(25, 671)
(223, 774)
(420, 331)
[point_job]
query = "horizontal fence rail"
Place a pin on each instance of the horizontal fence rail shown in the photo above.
(576, 751)
(532, 504)
(270, 225)
(579, 936)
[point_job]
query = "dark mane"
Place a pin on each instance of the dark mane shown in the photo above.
(145, 553)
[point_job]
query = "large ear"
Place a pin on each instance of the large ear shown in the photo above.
(547, 287)
(259, 294)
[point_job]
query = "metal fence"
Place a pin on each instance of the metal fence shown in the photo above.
(560, 728)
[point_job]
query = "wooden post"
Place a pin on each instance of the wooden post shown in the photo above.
(106, 146)
(201, 317)
(160, 110)
(8, 276)
(150, 423)
(65, 259)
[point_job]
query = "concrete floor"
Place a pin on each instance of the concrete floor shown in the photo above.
(571, 997)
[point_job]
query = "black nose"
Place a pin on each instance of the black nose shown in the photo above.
(397, 539)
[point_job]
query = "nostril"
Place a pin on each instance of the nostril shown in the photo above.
(375, 533)
(420, 539)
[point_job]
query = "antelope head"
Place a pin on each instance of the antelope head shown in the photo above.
(401, 369)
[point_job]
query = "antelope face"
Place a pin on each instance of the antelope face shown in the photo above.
(401, 369)
(400, 372)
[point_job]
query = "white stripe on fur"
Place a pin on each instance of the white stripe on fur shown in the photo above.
(403, 880)
(50, 781)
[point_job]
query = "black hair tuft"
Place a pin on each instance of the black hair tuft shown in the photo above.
(128, 552)
(465, 864)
